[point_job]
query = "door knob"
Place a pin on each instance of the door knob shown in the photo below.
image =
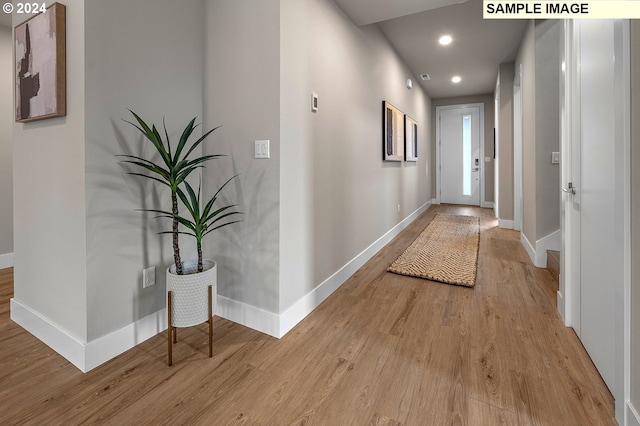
(571, 190)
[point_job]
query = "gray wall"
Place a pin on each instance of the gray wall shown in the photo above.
(635, 213)
(49, 199)
(547, 126)
(489, 124)
(325, 194)
(152, 66)
(242, 93)
(79, 265)
(505, 148)
(526, 59)
(6, 149)
(539, 56)
(337, 195)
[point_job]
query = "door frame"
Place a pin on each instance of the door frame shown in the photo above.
(439, 109)
(569, 292)
(517, 151)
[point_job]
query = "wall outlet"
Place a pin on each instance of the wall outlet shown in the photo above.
(149, 277)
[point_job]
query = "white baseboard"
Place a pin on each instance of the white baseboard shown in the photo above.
(6, 260)
(434, 201)
(528, 247)
(278, 325)
(560, 305)
(632, 416)
(248, 315)
(505, 223)
(87, 356)
(550, 242)
(303, 307)
(104, 348)
(489, 205)
(538, 254)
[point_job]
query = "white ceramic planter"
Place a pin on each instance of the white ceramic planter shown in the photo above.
(190, 301)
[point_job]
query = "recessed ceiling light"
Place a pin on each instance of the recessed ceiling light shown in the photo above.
(456, 79)
(445, 40)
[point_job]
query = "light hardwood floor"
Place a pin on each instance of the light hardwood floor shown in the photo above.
(383, 349)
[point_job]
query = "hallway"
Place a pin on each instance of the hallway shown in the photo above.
(383, 349)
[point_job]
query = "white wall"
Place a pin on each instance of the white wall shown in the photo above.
(49, 200)
(6, 149)
(153, 66)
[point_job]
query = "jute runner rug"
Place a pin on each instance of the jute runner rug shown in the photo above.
(446, 251)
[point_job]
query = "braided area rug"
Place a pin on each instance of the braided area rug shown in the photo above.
(446, 251)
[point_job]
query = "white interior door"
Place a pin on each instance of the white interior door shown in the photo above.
(460, 156)
(595, 207)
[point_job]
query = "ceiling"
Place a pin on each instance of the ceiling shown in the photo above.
(414, 26)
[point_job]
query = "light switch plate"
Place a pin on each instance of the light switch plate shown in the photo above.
(487, 159)
(262, 149)
(555, 158)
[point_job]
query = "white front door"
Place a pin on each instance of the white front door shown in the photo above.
(460, 156)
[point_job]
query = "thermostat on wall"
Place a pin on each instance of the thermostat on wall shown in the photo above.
(314, 102)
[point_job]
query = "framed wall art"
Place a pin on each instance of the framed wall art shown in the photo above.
(392, 133)
(40, 63)
(410, 139)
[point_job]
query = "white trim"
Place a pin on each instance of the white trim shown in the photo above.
(623, 343)
(550, 242)
(560, 304)
(6, 260)
(480, 106)
(248, 315)
(300, 309)
(528, 247)
(538, 253)
(517, 151)
(105, 348)
(57, 338)
(434, 201)
(505, 223)
(87, 356)
(488, 205)
(632, 418)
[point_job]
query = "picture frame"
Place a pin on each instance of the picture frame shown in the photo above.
(40, 65)
(392, 133)
(410, 139)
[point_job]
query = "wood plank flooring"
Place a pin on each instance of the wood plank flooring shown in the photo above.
(383, 349)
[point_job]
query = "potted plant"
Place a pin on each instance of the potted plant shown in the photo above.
(187, 281)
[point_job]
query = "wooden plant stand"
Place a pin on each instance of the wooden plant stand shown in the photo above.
(172, 332)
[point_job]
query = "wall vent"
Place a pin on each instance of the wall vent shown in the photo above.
(425, 77)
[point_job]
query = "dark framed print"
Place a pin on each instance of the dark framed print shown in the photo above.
(410, 139)
(392, 133)
(40, 63)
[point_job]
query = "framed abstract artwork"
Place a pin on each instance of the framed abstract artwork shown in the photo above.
(410, 139)
(392, 133)
(40, 63)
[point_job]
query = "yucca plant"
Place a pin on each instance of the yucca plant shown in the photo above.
(172, 169)
(202, 220)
